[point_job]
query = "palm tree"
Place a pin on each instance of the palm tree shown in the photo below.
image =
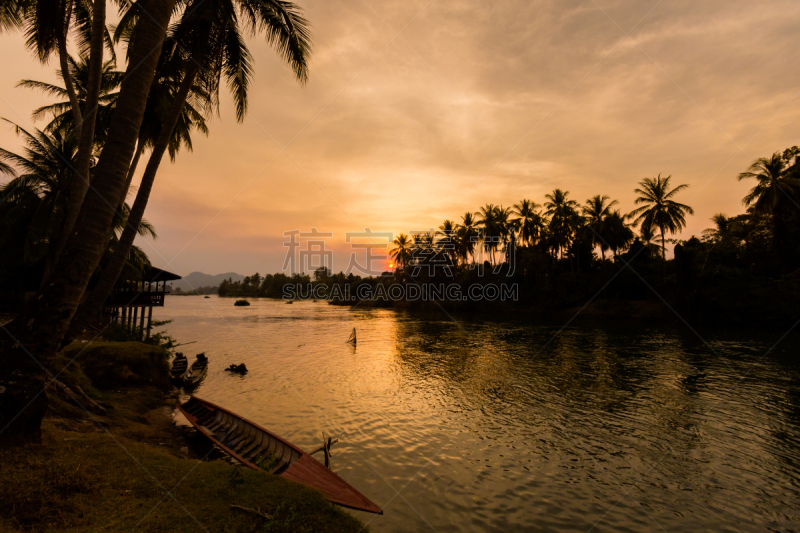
(596, 210)
(40, 328)
(648, 236)
(446, 230)
(402, 250)
(34, 201)
(491, 231)
(61, 113)
(616, 233)
(423, 247)
(563, 217)
(447, 240)
(159, 101)
(212, 34)
(722, 227)
(508, 228)
(530, 221)
(468, 235)
(659, 210)
(775, 185)
(47, 26)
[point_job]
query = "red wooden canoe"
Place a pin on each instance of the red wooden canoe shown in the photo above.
(259, 449)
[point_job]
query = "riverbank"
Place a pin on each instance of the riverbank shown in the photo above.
(127, 464)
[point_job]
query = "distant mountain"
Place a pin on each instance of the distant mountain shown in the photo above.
(198, 279)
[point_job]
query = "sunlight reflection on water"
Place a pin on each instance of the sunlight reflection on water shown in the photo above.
(480, 429)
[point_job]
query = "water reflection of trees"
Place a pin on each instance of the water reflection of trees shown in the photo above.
(615, 404)
(574, 381)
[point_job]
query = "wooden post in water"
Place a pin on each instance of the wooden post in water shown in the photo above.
(141, 325)
(149, 321)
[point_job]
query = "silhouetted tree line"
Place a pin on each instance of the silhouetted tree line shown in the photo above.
(197, 290)
(269, 286)
(743, 270)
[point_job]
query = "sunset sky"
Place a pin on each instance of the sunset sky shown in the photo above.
(419, 110)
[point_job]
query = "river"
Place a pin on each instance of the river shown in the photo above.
(473, 424)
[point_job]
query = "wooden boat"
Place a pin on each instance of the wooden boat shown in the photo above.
(257, 448)
(196, 371)
(178, 368)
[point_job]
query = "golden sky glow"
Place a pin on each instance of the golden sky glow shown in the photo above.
(473, 102)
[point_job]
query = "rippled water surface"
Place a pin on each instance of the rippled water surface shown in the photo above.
(480, 425)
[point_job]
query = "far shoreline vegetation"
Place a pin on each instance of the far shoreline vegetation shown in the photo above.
(743, 271)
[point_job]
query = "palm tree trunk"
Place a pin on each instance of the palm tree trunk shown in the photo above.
(663, 254)
(65, 74)
(38, 331)
(93, 305)
(80, 181)
(132, 170)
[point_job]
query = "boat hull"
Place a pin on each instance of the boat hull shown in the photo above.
(178, 370)
(248, 442)
(194, 375)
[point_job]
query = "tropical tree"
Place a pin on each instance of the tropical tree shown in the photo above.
(47, 26)
(616, 234)
(659, 210)
(446, 231)
(490, 234)
(777, 187)
(423, 247)
(596, 210)
(531, 223)
(137, 259)
(165, 88)
(448, 239)
(722, 227)
(508, 227)
(61, 113)
(40, 328)
(649, 239)
(563, 218)
(210, 32)
(468, 235)
(34, 201)
(402, 250)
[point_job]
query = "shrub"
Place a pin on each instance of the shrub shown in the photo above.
(112, 365)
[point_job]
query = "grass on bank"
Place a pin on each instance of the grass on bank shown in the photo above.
(91, 481)
(83, 477)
